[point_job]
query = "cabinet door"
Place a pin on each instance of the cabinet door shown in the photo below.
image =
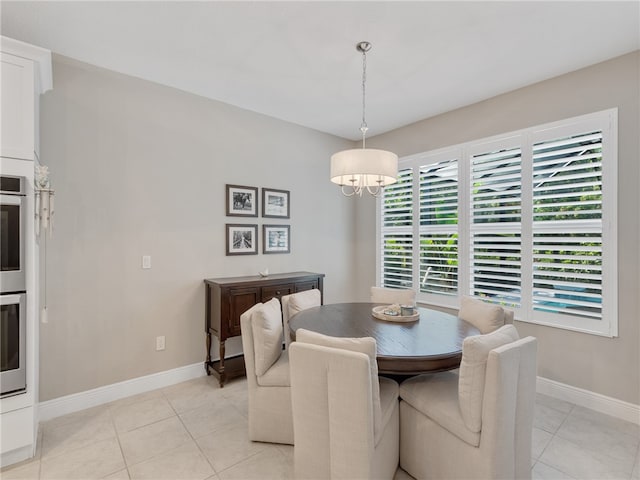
(18, 107)
(278, 291)
(240, 300)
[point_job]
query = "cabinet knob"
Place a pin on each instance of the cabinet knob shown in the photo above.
(278, 292)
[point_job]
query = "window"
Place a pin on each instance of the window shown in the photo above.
(526, 220)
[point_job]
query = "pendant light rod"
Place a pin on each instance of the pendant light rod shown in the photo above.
(363, 168)
(364, 47)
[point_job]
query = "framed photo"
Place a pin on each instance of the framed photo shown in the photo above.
(242, 239)
(276, 239)
(242, 201)
(275, 203)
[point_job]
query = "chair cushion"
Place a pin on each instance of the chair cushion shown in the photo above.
(388, 401)
(278, 375)
(484, 316)
(266, 325)
(436, 396)
(365, 345)
(475, 350)
(393, 295)
(508, 316)
(303, 300)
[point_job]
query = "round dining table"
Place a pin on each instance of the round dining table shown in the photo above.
(432, 343)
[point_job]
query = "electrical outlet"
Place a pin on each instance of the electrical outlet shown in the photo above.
(146, 261)
(160, 343)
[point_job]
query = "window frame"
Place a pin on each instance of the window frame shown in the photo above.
(604, 121)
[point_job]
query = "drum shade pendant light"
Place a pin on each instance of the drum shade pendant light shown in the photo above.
(363, 168)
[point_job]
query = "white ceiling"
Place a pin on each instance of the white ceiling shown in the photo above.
(297, 60)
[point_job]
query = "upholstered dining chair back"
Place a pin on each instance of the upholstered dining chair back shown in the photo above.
(486, 317)
(268, 377)
(401, 296)
(477, 424)
(296, 302)
(334, 408)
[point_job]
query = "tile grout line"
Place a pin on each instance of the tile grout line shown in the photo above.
(556, 468)
(636, 462)
(82, 421)
(215, 472)
(200, 449)
(124, 459)
(245, 459)
(40, 436)
(553, 437)
(574, 443)
(175, 414)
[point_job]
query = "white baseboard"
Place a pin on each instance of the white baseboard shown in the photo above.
(98, 396)
(585, 398)
(17, 455)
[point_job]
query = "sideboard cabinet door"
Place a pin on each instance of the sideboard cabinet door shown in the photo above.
(240, 300)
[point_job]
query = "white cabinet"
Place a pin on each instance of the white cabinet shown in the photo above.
(26, 73)
(17, 429)
(17, 106)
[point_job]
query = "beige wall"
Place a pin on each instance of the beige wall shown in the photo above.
(607, 366)
(140, 169)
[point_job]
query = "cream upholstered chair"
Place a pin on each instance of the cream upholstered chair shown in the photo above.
(477, 424)
(296, 302)
(401, 296)
(486, 317)
(267, 367)
(345, 418)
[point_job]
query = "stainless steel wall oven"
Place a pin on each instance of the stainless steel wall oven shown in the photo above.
(13, 373)
(13, 319)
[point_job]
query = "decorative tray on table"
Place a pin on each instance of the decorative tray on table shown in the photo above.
(391, 313)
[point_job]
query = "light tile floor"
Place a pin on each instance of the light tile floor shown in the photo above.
(195, 430)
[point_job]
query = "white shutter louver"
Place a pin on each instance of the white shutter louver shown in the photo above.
(439, 228)
(397, 232)
(496, 247)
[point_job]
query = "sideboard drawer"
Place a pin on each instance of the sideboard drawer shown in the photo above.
(303, 286)
(268, 292)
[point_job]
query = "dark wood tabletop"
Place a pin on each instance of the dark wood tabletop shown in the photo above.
(431, 344)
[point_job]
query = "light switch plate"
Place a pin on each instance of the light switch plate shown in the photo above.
(146, 261)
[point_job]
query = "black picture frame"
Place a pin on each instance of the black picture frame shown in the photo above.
(241, 239)
(276, 239)
(241, 201)
(275, 203)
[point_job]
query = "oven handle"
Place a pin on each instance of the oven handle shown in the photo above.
(11, 199)
(12, 298)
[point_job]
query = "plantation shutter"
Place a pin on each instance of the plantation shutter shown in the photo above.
(439, 228)
(526, 220)
(495, 225)
(397, 232)
(567, 225)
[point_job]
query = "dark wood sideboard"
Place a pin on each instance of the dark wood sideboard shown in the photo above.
(228, 298)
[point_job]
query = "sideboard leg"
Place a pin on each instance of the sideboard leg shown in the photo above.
(223, 376)
(207, 362)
